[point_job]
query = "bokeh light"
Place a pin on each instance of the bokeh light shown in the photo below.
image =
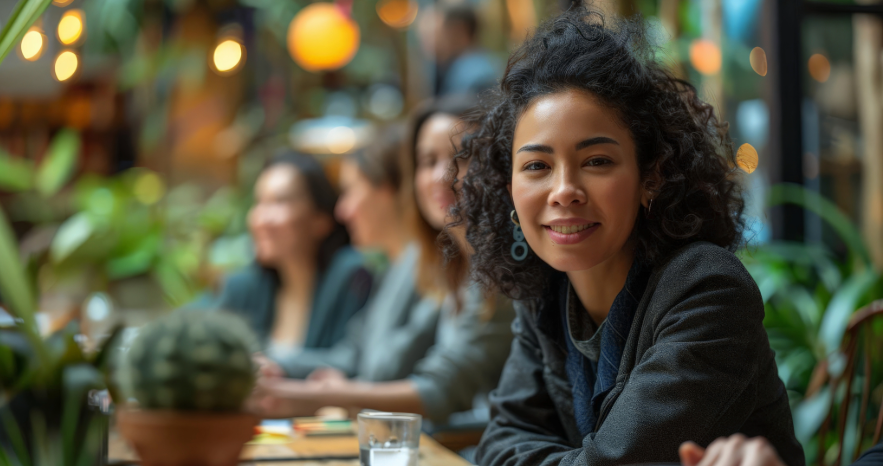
(149, 188)
(227, 56)
(757, 58)
(62, 2)
(70, 27)
(66, 64)
(341, 140)
(746, 157)
(32, 45)
(321, 38)
(398, 14)
(819, 67)
(705, 56)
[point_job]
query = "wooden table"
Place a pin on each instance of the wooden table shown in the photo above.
(431, 452)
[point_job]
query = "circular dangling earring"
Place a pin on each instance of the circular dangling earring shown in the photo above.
(519, 249)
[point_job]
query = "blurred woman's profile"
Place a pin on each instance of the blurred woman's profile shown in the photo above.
(305, 282)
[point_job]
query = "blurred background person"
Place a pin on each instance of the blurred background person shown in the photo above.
(306, 282)
(461, 65)
(398, 324)
(471, 340)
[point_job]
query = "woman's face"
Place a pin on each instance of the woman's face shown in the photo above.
(435, 152)
(284, 221)
(368, 211)
(575, 181)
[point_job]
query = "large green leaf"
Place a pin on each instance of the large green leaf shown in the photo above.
(72, 234)
(14, 284)
(59, 163)
(788, 193)
(16, 174)
(23, 16)
(843, 304)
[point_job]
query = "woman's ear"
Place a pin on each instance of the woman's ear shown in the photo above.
(650, 186)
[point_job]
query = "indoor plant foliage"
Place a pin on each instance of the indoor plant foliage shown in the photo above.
(810, 293)
(186, 377)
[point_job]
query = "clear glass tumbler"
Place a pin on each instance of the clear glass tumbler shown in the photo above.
(388, 439)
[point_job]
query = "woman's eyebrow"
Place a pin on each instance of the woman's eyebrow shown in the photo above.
(595, 141)
(536, 148)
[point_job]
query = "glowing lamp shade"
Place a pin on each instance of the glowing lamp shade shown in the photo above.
(819, 67)
(398, 14)
(321, 38)
(66, 64)
(228, 56)
(32, 45)
(70, 27)
(705, 56)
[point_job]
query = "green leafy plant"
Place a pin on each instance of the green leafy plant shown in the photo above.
(809, 296)
(49, 378)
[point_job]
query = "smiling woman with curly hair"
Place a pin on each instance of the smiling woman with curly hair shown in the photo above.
(601, 193)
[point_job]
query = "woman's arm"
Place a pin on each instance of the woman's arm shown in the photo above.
(278, 398)
(468, 357)
(525, 428)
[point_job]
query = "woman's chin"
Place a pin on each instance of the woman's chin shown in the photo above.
(265, 258)
(569, 262)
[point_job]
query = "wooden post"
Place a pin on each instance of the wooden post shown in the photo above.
(868, 40)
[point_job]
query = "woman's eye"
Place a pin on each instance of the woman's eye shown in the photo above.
(597, 162)
(533, 166)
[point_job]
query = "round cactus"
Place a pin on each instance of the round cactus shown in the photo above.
(190, 360)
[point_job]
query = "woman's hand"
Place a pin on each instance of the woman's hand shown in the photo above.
(267, 368)
(736, 450)
(327, 375)
(276, 397)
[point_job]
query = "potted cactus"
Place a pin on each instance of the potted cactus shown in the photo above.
(186, 378)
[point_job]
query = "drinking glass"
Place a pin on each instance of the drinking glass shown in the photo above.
(388, 439)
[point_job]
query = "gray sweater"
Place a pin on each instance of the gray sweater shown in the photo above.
(452, 357)
(697, 365)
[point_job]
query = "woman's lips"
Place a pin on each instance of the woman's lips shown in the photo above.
(570, 238)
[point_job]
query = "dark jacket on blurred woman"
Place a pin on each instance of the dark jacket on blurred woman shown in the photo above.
(695, 364)
(341, 291)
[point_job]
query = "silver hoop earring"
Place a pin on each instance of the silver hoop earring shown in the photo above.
(649, 206)
(514, 217)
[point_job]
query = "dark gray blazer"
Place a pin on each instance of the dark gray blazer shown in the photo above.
(697, 365)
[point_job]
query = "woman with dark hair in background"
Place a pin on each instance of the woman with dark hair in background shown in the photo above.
(401, 367)
(600, 194)
(306, 282)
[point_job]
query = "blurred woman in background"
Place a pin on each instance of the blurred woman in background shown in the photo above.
(306, 281)
(398, 324)
(471, 340)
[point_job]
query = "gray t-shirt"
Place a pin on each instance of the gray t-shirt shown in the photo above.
(583, 332)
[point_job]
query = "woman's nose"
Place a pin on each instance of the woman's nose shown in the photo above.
(567, 189)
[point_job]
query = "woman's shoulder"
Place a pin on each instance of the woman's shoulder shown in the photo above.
(700, 261)
(247, 280)
(707, 272)
(346, 258)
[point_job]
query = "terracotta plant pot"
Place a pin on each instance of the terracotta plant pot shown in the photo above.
(178, 438)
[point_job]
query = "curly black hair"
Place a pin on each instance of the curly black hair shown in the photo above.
(685, 156)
